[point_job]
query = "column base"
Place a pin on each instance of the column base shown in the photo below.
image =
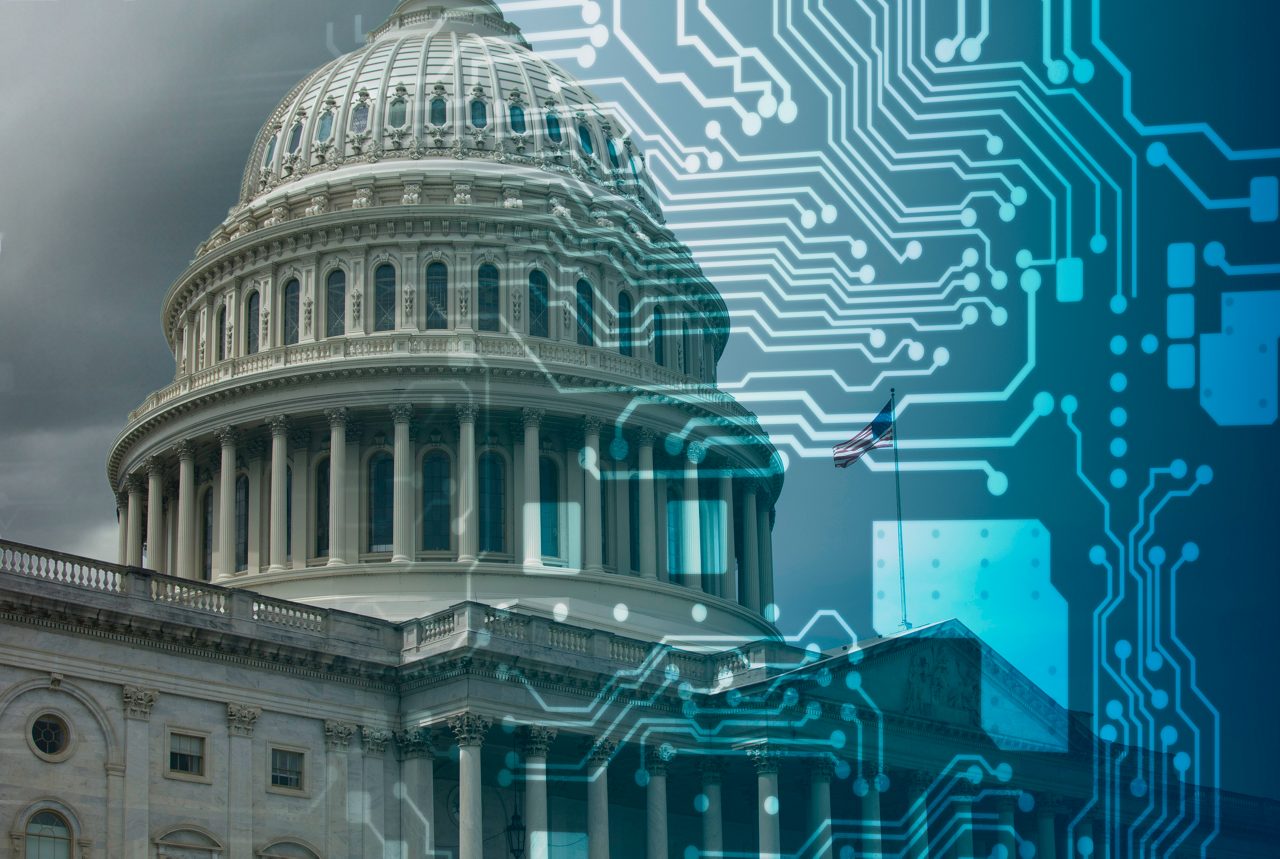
(336, 562)
(401, 559)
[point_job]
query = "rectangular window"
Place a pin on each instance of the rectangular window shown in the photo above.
(186, 754)
(286, 769)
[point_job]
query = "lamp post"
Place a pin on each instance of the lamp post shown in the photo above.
(516, 834)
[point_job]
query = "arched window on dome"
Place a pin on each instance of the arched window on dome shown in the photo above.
(549, 492)
(613, 153)
(242, 523)
(553, 128)
(292, 311)
(479, 114)
(436, 512)
(539, 318)
(437, 297)
(360, 118)
(659, 335)
(252, 322)
(322, 508)
(295, 137)
(335, 304)
(324, 128)
(515, 117)
(220, 348)
(490, 297)
(48, 836)
(633, 520)
(381, 501)
(493, 503)
(584, 137)
(269, 160)
(206, 535)
(439, 112)
(398, 113)
(384, 298)
(625, 324)
(586, 314)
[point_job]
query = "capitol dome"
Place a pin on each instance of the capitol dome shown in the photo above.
(444, 348)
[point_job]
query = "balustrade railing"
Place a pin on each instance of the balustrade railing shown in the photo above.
(57, 567)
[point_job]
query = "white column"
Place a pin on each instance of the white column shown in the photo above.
(713, 815)
(648, 537)
(279, 492)
(593, 537)
(137, 768)
(186, 556)
(135, 486)
(820, 806)
(691, 520)
(537, 744)
(122, 527)
(871, 843)
(300, 444)
(655, 762)
(532, 506)
(402, 537)
(241, 720)
(337, 486)
(418, 802)
(729, 584)
(765, 531)
(227, 504)
(468, 498)
(751, 550)
(470, 730)
(373, 826)
(768, 802)
(1005, 835)
(598, 799)
(155, 514)
(337, 739)
(1046, 829)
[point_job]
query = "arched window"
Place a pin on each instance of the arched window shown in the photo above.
(399, 113)
(381, 502)
(287, 850)
(624, 325)
(439, 111)
(586, 314)
(659, 339)
(384, 298)
(539, 319)
(553, 128)
(613, 153)
(549, 492)
(515, 115)
(479, 114)
(206, 536)
(242, 523)
(269, 159)
(220, 348)
(436, 511)
(584, 137)
(360, 118)
(252, 323)
(437, 296)
(335, 304)
(633, 520)
(490, 297)
(324, 128)
(295, 137)
(322, 509)
(493, 503)
(292, 311)
(48, 836)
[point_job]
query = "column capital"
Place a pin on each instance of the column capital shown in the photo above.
(469, 729)
(153, 465)
(122, 500)
(822, 768)
(337, 418)
(658, 758)
(374, 741)
(279, 424)
(138, 702)
(415, 743)
(592, 425)
(135, 485)
(535, 740)
(712, 770)
(227, 436)
(765, 759)
(532, 417)
(185, 450)
(401, 413)
(467, 413)
(647, 437)
(337, 735)
(601, 751)
(241, 719)
(696, 452)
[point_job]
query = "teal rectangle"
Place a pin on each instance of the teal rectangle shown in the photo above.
(1182, 367)
(1182, 265)
(1181, 322)
(1264, 199)
(1070, 279)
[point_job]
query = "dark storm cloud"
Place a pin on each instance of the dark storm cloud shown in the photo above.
(122, 144)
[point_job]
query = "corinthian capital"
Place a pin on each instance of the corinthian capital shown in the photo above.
(336, 417)
(279, 424)
(467, 413)
(647, 437)
(153, 465)
(401, 413)
(185, 450)
(138, 702)
(375, 741)
(602, 751)
(337, 735)
(593, 425)
(227, 436)
(533, 417)
(241, 719)
(469, 729)
(415, 743)
(536, 740)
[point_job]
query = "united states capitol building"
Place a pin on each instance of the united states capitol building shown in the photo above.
(443, 541)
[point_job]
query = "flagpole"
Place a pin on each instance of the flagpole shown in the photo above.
(897, 480)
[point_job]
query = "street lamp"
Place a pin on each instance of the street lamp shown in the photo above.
(516, 835)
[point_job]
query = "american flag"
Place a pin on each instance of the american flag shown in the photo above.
(877, 434)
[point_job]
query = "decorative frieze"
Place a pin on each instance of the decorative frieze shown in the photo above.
(138, 702)
(242, 719)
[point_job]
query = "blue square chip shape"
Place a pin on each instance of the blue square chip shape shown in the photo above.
(1182, 367)
(1070, 279)
(1182, 265)
(1264, 199)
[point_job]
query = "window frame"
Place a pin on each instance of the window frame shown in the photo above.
(444, 285)
(376, 458)
(336, 271)
(626, 325)
(203, 777)
(431, 452)
(291, 312)
(253, 322)
(503, 508)
(380, 296)
(303, 789)
(68, 746)
(489, 299)
(545, 303)
(72, 840)
(319, 526)
(586, 333)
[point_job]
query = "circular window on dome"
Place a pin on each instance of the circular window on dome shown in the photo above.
(49, 735)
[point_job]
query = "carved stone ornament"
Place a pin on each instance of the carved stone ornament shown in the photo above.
(558, 208)
(336, 417)
(308, 309)
(765, 759)
(467, 413)
(593, 425)
(464, 302)
(602, 751)
(357, 306)
(410, 296)
(412, 194)
(375, 741)
(241, 719)
(511, 199)
(138, 702)
(536, 740)
(415, 743)
(516, 302)
(319, 205)
(227, 436)
(600, 218)
(185, 450)
(658, 758)
(337, 735)
(401, 413)
(462, 194)
(279, 424)
(364, 199)
(533, 417)
(279, 215)
(469, 729)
